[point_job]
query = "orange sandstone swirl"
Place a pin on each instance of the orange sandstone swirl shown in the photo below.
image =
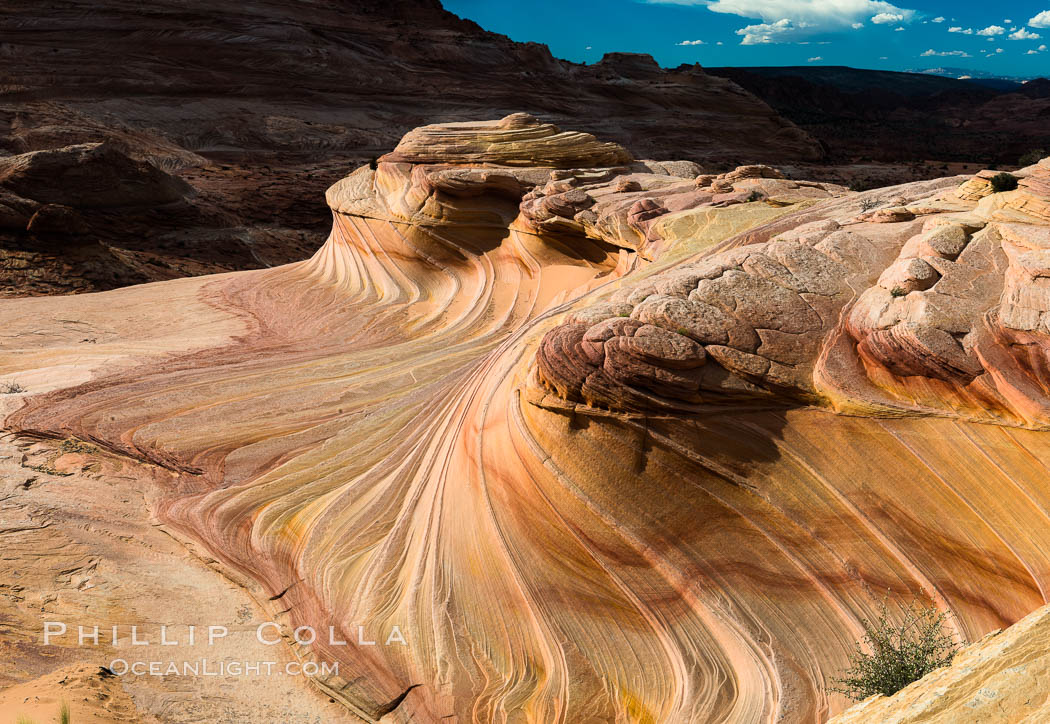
(605, 443)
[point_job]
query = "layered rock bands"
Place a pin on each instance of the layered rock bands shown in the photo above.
(607, 439)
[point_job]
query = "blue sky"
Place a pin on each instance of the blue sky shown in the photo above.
(1007, 38)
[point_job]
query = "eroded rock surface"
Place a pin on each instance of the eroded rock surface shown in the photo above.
(935, 309)
(260, 108)
(614, 442)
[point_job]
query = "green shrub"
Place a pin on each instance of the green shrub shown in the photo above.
(898, 292)
(63, 714)
(895, 653)
(11, 388)
(1003, 182)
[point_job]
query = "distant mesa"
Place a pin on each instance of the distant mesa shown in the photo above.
(632, 65)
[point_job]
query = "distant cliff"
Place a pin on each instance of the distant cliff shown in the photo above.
(905, 117)
(260, 106)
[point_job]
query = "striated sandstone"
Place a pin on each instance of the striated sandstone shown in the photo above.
(516, 140)
(606, 444)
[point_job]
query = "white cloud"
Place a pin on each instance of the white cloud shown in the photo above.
(887, 18)
(884, 57)
(719, 42)
(837, 12)
(1023, 34)
(1042, 47)
(957, 29)
(587, 48)
(785, 21)
(938, 19)
(998, 50)
(1032, 52)
(959, 53)
(1042, 20)
(1008, 21)
(764, 33)
(857, 26)
(898, 30)
(992, 30)
(814, 59)
(691, 42)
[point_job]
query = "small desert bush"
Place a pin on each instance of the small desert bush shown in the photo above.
(869, 204)
(11, 388)
(897, 651)
(1034, 156)
(1003, 182)
(72, 445)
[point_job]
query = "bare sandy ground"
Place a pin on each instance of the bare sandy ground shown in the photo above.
(117, 567)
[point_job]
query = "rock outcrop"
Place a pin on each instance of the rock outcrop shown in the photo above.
(91, 175)
(261, 108)
(517, 140)
(604, 439)
(65, 193)
(353, 78)
(905, 117)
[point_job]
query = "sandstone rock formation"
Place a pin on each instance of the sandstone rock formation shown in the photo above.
(353, 78)
(262, 107)
(607, 440)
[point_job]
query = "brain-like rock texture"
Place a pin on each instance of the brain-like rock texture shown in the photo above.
(607, 440)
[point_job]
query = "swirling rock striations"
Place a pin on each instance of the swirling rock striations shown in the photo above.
(607, 440)
(517, 140)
